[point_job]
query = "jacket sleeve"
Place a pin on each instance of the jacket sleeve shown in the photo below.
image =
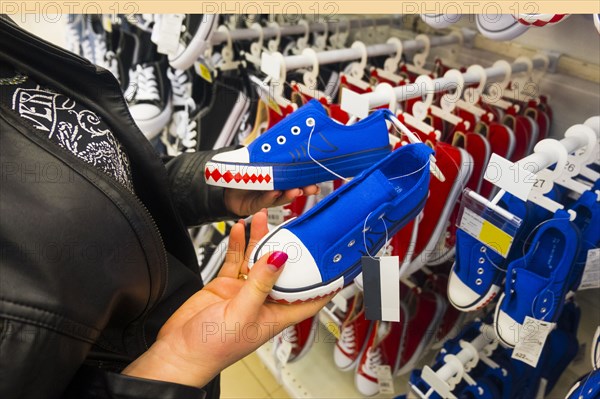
(196, 201)
(27, 349)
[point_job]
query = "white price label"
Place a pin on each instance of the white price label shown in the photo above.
(385, 380)
(532, 338)
(167, 35)
(591, 272)
(509, 176)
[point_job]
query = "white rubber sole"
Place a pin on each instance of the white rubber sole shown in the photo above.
(152, 127)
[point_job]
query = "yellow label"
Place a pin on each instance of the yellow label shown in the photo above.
(107, 24)
(495, 238)
(333, 328)
(220, 227)
(274, 106)
(204, 72)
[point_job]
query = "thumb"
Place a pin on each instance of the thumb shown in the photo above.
(261, 279)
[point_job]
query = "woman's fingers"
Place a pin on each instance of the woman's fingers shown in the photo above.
(258, 229)
(261, 279)
(235, 251)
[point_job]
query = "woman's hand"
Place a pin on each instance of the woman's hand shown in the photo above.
(247, 202)
(226, 320)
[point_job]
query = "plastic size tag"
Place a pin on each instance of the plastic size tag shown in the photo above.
(493, 228)
(591, 272)
(381, 285)
(384, 379)
(510, 177)
(168, 32)
(532, 336)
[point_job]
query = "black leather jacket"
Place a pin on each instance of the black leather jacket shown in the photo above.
(89, 272)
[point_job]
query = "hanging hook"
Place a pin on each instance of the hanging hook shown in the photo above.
(448, 101)
(321, 40)
(273, 45)
(302, 42)
(388, 91)
(419, 59)
(391, 64)
(257, 46)
(310, 77)
(358, 68)
(227, 53)
(421, 108)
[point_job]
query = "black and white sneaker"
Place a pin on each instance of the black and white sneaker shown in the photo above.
(149, 97)
(195, 37)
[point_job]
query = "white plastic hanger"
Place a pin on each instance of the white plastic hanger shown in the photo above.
(302, 42)
(449, 101)
(578, 160)
(390, 66)
(472, 95)
(338, 39)
(320, 41)
(421, 109)
(357, 69)
(419, 59)
(270, 90)
(227, 53)
(545, 178)
(496, 90)
(273, 44)
(310, 78)
(256, 48)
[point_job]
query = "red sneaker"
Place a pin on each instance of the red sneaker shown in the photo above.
(384, 347)
(355, 330)
(301, 336)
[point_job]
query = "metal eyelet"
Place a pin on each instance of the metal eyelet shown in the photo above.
(481, 261)
(351, 243)
(482, 249)
(266, 147)
(310, 122)
(545, 300)
(512, 291)
(478, 281)
(295, 130)
(480, 270)
(337, 258)
(281, 140)
(543, 310)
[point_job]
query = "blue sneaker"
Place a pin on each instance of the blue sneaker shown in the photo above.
(282, 158)
(588, 387)
(587, 220)
(478, 271)
(325, 245)
(537, 283)
(595, 352)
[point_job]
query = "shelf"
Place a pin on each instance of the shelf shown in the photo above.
(315, 375)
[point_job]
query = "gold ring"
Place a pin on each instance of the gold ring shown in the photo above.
(242, 276)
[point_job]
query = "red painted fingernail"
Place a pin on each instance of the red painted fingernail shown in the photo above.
(277, 259)
(242, 221)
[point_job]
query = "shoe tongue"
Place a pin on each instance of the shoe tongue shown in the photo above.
(314, 105)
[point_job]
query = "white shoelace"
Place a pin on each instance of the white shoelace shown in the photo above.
(147, 87)
(348, 340)
(292, 336)
(373, 359)
(182, 127)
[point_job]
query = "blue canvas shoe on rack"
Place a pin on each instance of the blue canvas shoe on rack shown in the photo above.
(537, 283)
(595, 352)
(307, 147)
(325, 245)
(477, 274)
(588, 387)
(587, 208)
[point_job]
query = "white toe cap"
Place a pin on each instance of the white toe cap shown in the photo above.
(460, 294)
(241, 155)
(340, 359)
(507, 328)
(141, 112)
(300, 270)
